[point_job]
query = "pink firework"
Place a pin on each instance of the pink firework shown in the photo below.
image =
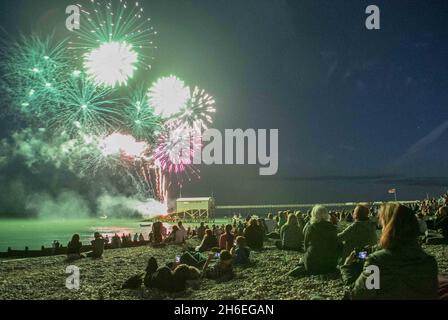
(177, 148)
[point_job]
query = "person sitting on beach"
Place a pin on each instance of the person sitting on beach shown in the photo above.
(441, 223)
(227, 238)
(240, 228)
(321, 243)
(270, 223)
(282, 219)
(141, 238)
(74, 248)
(124, 240)
(172, 237)
(201, 231)
(208, 242)
(135, 240)
(107, 240)
(349, 217)
(55, 247)
(182, 234)
(300, 219)
(407, 271)
(168, 280)
(334, 218)
(116, 241)
(156, 232)
(422, 225)
(359, 234)
(97, 246)
(221, 270)
(240, 252)
(254, 235)
(291, 235)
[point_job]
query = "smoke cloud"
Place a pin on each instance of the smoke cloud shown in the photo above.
(41, 176)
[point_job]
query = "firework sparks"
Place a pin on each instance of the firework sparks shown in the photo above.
(168, 96)
(116, 22)
(33, 69)
(199, 109)
(140, 119)
(86, 107)
(177, 147)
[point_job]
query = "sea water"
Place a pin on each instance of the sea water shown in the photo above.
(34, 233)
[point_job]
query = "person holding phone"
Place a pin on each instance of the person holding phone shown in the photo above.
(227, 238)
(406, 271)
(359, 234)
(240, 252)
(222, 270)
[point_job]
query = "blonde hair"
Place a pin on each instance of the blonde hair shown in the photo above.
(319, 213)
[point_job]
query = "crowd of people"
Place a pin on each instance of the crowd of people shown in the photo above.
(388, 237)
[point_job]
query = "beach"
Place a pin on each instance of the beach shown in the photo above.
(44, 278)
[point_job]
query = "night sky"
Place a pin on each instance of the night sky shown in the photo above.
(358, 111)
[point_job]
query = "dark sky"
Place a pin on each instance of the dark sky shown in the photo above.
(358, 111)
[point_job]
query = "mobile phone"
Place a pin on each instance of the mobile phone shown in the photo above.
(177, 259)
(362, 255)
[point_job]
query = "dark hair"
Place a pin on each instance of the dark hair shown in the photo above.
(184, 273)
(75, 238)
(361, 213)
(400, 226)
(225, 255)
(152, 266)
(241, 241)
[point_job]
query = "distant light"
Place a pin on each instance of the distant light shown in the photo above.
(76, 73)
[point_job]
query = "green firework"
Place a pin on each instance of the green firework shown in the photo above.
(85, 107)
(140, 119)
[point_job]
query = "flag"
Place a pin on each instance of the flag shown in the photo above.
(392, 191)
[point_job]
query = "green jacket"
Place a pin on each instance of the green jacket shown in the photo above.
(357, 235)
(291, 236)
(322, 248)
(408, 273)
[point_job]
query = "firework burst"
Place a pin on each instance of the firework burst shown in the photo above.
(177, 147)
(115, 22)
(139, 117)
(112, 64)
(33, 70)
(199, 109)
(168, 96)
(87, 108)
